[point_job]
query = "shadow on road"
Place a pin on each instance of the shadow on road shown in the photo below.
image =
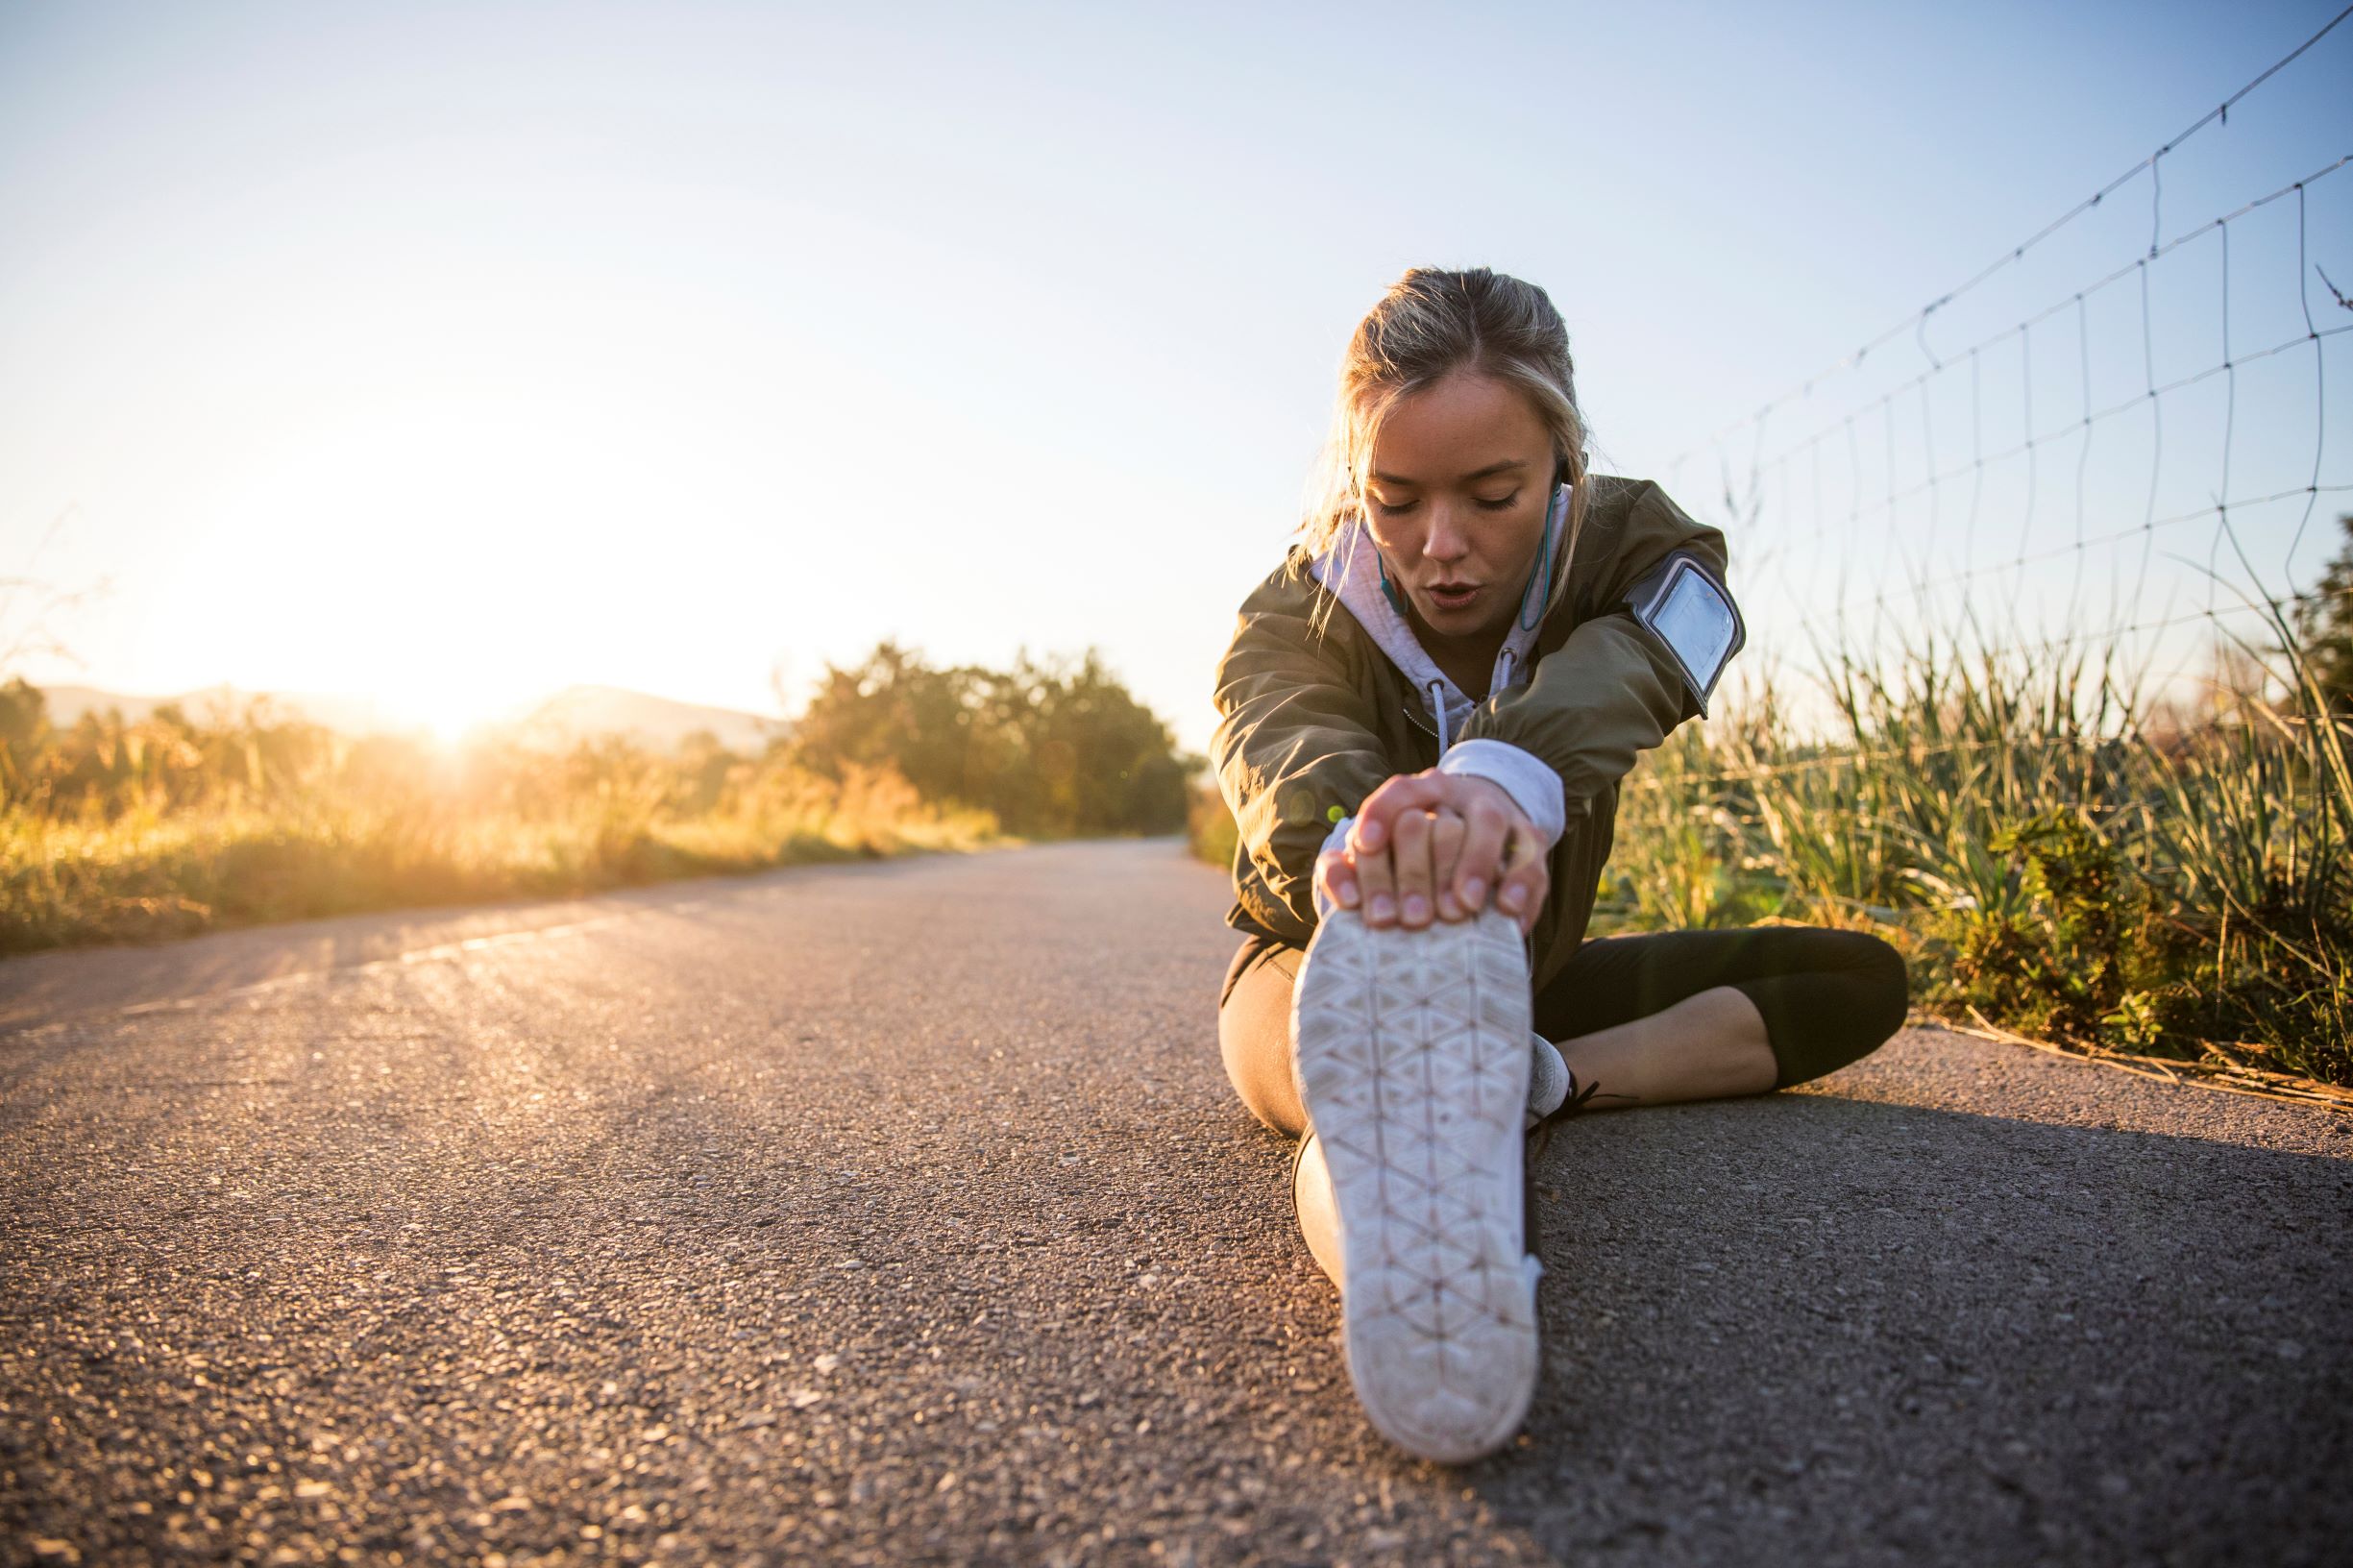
(838, 1216)
(1808, 1326)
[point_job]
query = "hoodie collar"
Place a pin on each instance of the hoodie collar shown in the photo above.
(1350, 569)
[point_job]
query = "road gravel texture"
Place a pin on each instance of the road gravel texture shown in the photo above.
(900, 1213)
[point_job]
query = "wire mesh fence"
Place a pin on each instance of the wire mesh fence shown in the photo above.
(2030, 579)
(2132, 465)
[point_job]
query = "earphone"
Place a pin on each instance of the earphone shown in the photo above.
(1543, 574)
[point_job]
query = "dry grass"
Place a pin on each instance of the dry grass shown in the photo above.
(335, 839)
(1209, 827)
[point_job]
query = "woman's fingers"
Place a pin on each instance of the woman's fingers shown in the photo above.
(1377, 818)
(1375, 879)
(1525, 880)
(1438, 844)
(1480, 867)
(1336, 878)
(1540, 885)
(1446, 836)
(1410, 850)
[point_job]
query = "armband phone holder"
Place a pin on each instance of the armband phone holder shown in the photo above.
(1691, 612)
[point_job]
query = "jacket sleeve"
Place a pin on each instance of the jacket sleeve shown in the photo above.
(1611, 689)
(1295, 746)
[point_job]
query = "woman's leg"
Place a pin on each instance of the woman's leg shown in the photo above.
(1694, 1015)
(1647, 1019)
(1254, 1032)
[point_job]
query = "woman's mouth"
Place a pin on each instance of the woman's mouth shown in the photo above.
(1453, 596)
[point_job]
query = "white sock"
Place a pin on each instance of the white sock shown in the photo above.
(1548, 1084)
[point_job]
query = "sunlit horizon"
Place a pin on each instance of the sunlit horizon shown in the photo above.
(452, 357)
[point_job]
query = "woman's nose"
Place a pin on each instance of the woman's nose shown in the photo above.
(1447, 541)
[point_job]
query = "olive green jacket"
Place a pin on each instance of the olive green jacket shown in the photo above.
(1310, 722)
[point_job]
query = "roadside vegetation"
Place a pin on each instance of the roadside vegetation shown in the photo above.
(115, 830)
(2059, 857)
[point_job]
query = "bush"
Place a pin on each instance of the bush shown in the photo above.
(2072, 863)
(1210, 830)
(1050, 749)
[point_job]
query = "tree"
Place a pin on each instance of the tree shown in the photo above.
(24, 731)
(894, 711)
(1052, 746)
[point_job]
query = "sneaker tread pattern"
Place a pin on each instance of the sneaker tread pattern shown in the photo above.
(1413, 1065)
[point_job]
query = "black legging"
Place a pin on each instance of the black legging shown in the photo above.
(1828, 998)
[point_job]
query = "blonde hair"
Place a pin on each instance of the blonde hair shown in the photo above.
(1431, 323)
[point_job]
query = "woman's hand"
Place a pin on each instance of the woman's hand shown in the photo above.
(1438, 841)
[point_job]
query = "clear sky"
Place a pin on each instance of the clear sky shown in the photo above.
(457, 353)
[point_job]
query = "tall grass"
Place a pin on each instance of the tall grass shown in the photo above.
(113, 830)
(2058, 853)
(1210, 829)
(164, 828)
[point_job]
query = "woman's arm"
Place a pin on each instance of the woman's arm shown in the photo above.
(1614, 689)
(1295, 746)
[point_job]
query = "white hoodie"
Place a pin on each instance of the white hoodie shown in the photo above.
(1350, 569)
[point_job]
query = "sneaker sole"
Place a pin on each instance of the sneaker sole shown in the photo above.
(1413, 1062)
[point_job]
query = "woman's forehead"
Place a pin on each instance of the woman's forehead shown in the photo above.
(1466, 426)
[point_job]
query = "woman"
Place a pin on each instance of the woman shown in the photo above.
(1424, 716)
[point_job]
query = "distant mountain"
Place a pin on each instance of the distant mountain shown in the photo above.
(575, 714)
(352, 715)
(656, 723)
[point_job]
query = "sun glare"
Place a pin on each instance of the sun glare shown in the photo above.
(449, 713)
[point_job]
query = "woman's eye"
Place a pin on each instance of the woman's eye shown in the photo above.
(1400, 509)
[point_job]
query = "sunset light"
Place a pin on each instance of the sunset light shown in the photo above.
(1203, 784)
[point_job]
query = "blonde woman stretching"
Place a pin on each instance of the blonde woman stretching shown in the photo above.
(1423, 719)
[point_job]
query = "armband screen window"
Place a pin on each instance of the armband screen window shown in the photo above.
(1692, 614)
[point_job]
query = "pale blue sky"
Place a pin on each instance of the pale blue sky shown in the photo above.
(462, 351)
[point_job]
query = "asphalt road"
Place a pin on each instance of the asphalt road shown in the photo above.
(900, 1213)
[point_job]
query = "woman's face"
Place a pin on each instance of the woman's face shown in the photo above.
(1462, 479)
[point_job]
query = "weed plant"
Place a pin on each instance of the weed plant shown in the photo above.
(2056, 853)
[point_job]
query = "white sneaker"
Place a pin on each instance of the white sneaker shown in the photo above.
(1548, 1079)
(1413, 1061)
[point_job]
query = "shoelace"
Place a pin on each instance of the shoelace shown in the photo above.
(1540, 1136)
(1540, 1139)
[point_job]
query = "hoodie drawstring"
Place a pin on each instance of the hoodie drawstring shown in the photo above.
(1437, 694)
